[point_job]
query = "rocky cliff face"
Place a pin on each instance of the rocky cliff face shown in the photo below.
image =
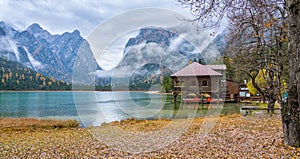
(36, 48)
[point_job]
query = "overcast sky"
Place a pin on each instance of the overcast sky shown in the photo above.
(58, 16)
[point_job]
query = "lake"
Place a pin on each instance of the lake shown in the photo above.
(94, 108)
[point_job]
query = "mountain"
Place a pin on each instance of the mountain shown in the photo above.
(147, 57)
(157, 52)
(170, 40)
(37, 49)
(14, 76)
(152, 35)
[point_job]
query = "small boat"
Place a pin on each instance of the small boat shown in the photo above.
(191, 98)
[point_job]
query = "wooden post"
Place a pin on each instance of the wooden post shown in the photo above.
(175, 97)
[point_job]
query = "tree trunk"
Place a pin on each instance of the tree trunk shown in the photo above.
(291, 112)
(271, 104)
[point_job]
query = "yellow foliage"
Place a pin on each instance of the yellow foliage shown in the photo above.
(53, 80)
(260, 81)
(6, 76)
(251, 88)
(284, 88)
(37, 75)
(268, 25)
(284, 39)
(42, 78)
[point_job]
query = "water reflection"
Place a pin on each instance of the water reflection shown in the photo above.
(192, 110)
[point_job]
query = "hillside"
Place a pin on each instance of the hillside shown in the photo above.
(15, 76)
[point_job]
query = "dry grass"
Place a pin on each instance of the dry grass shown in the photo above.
(29, 124)
(133, 125)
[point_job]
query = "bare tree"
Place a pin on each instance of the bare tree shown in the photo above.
(261, 30)
(259, 43)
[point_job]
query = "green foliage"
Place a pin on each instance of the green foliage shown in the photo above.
(14, 76)
(143, 83)
(167, 84)
(199, 61)
(103, 88)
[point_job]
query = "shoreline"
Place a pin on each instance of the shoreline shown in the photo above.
(149, 92)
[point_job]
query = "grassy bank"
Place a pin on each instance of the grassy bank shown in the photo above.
(29, 124)
(233, 136)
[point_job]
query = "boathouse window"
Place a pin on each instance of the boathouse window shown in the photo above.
(193, 83)
(179, 84)
(204, 83)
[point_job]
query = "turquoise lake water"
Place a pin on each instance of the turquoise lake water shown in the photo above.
(94, 108)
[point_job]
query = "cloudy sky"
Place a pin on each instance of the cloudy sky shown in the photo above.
(58, 16)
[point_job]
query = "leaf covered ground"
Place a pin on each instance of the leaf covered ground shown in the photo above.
(233, 136)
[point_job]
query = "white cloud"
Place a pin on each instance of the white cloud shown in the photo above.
(58, 16)
(113, 54)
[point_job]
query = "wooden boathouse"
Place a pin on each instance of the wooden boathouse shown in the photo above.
(200, 80)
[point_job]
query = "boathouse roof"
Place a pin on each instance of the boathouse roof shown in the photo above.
(196, 69)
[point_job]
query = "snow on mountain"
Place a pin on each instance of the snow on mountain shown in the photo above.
(36, 64)
(14, 49)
